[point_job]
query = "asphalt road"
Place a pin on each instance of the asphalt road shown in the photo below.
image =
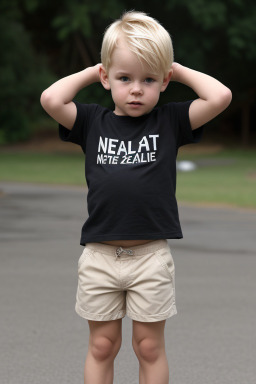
(211, 340)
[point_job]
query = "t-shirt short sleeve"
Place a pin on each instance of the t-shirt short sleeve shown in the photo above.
(185, 134)
(84, 117)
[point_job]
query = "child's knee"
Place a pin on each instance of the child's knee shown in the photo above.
(102, 348)
(148, 350)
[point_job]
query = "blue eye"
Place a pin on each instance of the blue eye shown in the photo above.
(124, 79)
(149, 80)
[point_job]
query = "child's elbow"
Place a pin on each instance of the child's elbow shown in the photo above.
(44, 99)
(47, 100)
(225, 98)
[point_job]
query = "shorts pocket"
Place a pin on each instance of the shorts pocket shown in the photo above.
(86, 254)
(165, 259)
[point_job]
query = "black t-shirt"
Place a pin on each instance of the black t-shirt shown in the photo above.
(130, 169)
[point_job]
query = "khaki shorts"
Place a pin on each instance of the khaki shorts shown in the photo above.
(138, 281)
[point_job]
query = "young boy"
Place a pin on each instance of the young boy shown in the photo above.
(126, 266)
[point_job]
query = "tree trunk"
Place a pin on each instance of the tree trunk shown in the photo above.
(83, 52)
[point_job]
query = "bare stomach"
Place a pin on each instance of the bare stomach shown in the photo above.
(126, 243)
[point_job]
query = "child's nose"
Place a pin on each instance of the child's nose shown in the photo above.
(136, 89)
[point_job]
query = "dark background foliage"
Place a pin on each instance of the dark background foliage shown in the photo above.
(42, 41)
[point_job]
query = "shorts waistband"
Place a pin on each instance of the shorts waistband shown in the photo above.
(137, 250)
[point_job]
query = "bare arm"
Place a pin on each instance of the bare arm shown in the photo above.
(57, 99)
(214, 97)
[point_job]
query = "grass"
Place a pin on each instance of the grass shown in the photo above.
(47, 168)
(228, 177)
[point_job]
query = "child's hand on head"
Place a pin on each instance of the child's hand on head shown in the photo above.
(97, 71)
(175, 67)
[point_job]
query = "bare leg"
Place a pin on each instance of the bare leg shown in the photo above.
(104, 344)
(149, 346)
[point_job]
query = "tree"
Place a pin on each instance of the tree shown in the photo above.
(221, 43)
(22, 76)
(215, 37)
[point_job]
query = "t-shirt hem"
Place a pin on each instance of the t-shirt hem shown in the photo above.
(148, 236)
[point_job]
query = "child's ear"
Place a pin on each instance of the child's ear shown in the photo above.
(166, 80)
(104, 78)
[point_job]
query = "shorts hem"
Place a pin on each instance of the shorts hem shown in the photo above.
(153, 318)
(99, 317)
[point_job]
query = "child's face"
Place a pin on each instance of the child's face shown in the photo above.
(135, 88)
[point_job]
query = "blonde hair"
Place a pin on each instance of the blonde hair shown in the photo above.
(145, 37)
